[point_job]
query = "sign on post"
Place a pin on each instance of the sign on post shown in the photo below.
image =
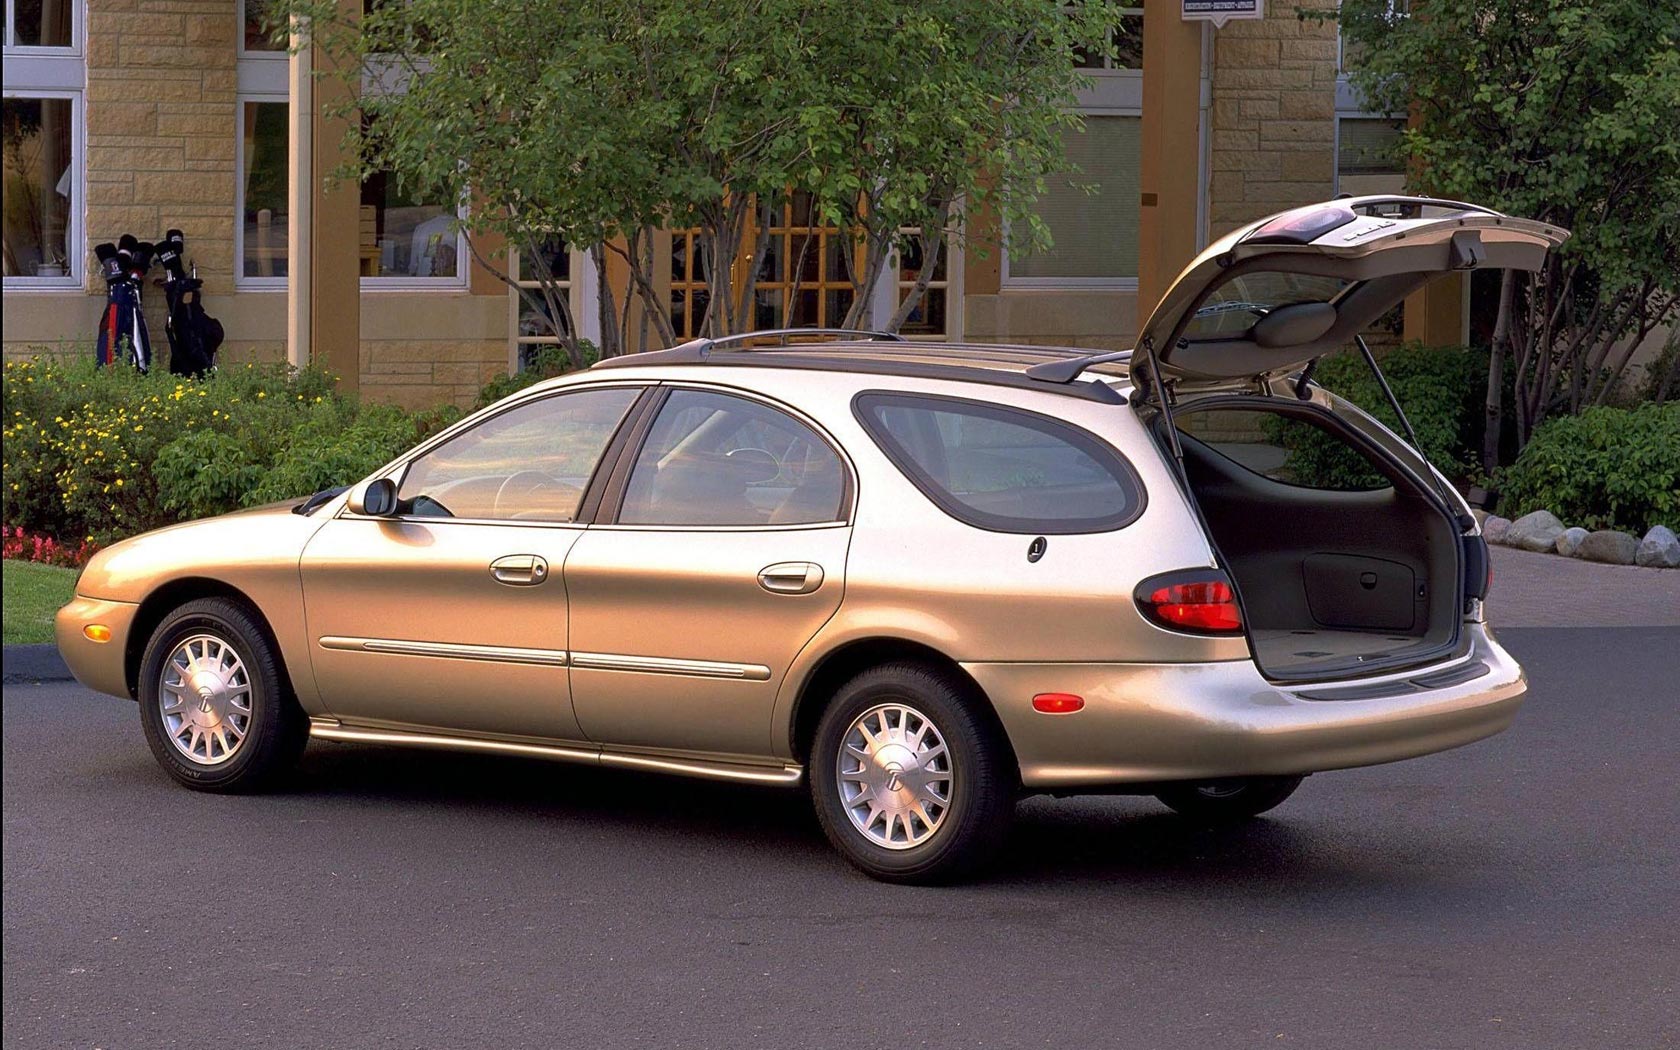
(1221, 11)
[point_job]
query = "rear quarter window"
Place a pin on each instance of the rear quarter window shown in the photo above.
(1003, 469)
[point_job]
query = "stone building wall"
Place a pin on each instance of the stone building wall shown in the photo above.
(1273, 143)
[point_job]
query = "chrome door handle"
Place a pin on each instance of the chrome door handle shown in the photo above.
(791, 577)
(520, 570)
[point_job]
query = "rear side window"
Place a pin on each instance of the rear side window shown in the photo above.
(1003, 469)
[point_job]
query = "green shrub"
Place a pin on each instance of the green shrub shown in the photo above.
(98, 454)
(544, 362)
(1607, 468)
(1442, 389)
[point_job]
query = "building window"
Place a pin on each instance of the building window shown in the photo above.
(1368, 155)
(43, 138)
(406, 240)
(934, 316)
(1092, 213)
(41, 23)
(804, 280)
(1127, 40)
(530, 325)
(259, 34)
(1092, 209)
(40, 174)
(264, 157)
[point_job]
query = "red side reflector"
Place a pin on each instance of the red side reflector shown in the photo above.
(1197, 601)
(1058, 703)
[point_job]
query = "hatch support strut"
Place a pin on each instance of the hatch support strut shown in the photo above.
(1160, 390)
(1411, 435)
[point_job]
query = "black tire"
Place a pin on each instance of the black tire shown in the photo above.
(1230, 800)
(276, 729)
(982, 789)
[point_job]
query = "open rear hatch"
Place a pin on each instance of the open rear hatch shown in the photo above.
(1333, 584)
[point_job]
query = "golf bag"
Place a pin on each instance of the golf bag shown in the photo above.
(194, 335)
(122, 328)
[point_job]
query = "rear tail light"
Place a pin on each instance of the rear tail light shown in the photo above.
(1198, 601)
(1478, 568)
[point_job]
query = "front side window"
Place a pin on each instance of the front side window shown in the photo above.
(717, 459)
(1003, 469)
(530, 463)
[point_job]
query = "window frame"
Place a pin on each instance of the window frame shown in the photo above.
(397, 471)
(241, 281)
(618, 484)
(1086, 441)
(41, 72)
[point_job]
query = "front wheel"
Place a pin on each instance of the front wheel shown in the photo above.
(1229, 800)
(910, 782)
(214, 703)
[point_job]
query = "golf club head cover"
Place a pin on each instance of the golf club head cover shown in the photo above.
(142, 258)
(169, 252)
(109, 267)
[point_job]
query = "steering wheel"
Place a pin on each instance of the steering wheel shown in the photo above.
(532, 480)
(772, 467)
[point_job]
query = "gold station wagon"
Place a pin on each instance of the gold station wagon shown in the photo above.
(919, 579)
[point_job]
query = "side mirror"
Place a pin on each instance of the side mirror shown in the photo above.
(375, 498)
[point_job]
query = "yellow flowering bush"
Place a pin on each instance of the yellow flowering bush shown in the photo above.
(106, 453)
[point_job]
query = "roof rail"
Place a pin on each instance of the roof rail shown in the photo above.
(696, 351)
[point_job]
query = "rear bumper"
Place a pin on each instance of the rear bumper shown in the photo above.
(1153, 722)
(98, 665)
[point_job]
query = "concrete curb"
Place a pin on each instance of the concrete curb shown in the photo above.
(34, 663)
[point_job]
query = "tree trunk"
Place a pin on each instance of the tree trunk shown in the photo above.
(1493, 419)
(606, 310)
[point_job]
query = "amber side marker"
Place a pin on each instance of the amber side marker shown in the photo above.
(97, 632)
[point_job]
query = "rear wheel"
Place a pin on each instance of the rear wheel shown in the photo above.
(214, 703)
(1229, 800)
(910, 782)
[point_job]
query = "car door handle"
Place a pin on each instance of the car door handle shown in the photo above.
(520, 570)
(791, 577)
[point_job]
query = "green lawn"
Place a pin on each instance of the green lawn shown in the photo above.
(33, 594)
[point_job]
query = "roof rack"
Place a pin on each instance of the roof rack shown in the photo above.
(851, 355)
(784, 334)
(696, 351)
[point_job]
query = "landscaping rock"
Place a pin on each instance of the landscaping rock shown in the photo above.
(1538, 531)
(1609, 546)
(1660, 549)
(1494, 528)
(1569, 541)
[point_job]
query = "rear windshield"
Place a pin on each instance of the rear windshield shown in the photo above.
(1003, 469)
(1233, 307)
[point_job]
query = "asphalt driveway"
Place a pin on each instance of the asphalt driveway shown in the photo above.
(1523, 892)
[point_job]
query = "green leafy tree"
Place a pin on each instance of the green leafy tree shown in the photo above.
(603, 123)
(1557, 110)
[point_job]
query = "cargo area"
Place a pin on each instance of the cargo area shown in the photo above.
(1344, 563)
